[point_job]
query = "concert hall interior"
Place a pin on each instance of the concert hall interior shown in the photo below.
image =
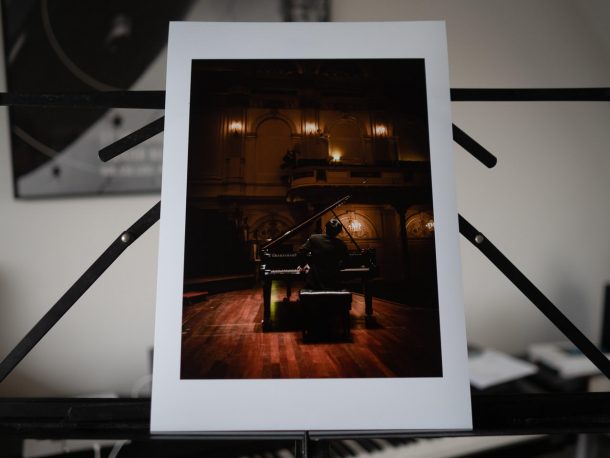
(275, 149)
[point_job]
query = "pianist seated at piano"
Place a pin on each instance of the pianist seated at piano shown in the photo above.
(322, 257)
(325, 260)
(325, 307)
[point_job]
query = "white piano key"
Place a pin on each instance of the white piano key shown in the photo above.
(442, 447)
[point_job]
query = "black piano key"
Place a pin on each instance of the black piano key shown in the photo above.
(341, 449)
(398, 441)
(368, 445)
(383, 444)
(354, 446)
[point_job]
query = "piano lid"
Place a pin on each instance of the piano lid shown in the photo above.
(293, 230)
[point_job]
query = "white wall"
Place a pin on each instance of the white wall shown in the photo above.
(545, 204)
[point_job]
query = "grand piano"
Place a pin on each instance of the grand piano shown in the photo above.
(282, 266)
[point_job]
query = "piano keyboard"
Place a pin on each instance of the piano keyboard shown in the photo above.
(298, 272)
(442, 447)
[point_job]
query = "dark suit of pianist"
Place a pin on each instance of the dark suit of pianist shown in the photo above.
(327, 257)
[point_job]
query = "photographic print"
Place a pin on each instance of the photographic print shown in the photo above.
(278, 150)
(307, 260)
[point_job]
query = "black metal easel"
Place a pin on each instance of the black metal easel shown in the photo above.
(121, 418)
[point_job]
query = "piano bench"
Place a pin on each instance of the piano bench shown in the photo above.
(325, 314)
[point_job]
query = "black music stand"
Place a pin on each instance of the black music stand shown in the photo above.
(130, 418)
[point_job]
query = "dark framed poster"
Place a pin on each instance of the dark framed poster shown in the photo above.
(79, 47)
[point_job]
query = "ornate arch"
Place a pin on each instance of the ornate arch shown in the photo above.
(271, 226)
(420, 225)
(359, 225)
(273, 115)
(348, 117)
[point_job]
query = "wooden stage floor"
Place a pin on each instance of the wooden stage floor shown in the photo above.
(222, 338)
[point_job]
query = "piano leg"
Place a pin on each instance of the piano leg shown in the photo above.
(267, 304)
(368, 299)
(369, 319)
(288, 290)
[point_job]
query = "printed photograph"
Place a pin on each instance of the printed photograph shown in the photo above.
(310, 237)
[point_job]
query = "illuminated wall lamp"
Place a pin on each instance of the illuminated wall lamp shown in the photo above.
(311, 128)
(380, 130)
(236, 127)
(430, 225)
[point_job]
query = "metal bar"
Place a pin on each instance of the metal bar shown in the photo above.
(592, 94)
(77, 290)
(156, 99)
(473, 147)
(493, 414)
(129, 141)
(110, 99)
(535, 296)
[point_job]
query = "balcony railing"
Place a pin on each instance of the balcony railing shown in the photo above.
(313, 172)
